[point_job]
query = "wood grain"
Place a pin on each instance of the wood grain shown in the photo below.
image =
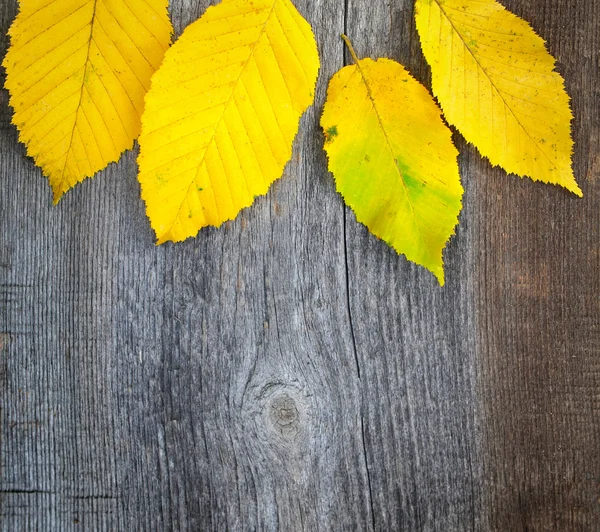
(539, 283)
(290, 372)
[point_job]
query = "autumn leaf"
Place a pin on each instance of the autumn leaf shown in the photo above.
(223, 112)
(77, 72)
(496, 83)
(393, 159)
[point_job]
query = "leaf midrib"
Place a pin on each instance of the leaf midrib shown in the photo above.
(60, 184)
(389, 146)
(167, 233)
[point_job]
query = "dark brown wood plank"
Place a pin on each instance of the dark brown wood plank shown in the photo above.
(538, 298)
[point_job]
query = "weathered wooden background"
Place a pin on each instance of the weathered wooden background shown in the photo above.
(289, 371)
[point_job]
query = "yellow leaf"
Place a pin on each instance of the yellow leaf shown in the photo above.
(77, 72)
(393, 159)
(222, 114)
(496, 83)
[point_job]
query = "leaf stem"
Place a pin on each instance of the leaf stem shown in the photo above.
(350, 48)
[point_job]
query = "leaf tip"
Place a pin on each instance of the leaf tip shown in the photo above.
(57, 194)
(576, 190)
(437, 269)
(162, 238)
(439, 275)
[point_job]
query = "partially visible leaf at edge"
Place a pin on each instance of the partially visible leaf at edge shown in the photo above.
(393, 159)
(496, 83)
(77, 72)
(223, 112)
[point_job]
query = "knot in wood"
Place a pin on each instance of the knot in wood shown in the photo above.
(284, 414)
(280, 415)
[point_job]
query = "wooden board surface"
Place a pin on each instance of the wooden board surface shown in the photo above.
(290, 372)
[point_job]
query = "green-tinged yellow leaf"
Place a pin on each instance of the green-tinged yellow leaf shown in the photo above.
(222, 114)
(496, 83)
(77, 72)
(393, 159)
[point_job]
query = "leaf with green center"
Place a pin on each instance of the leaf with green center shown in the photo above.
(393, 159)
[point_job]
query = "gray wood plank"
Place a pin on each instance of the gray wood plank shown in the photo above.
(415, 342)
(208, 385)
(289, 371)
